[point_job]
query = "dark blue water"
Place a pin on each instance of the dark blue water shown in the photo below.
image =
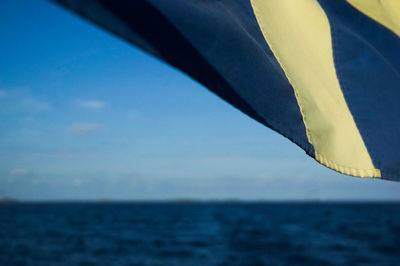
(200, 234)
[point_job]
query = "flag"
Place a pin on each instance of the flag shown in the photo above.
(325, 74)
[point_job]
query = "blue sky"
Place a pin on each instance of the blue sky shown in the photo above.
(84, 115)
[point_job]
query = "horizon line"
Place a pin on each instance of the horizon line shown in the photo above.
(10, 200)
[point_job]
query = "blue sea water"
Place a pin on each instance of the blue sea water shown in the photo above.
(200, 234)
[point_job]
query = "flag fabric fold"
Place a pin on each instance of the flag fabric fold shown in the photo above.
(325, 74)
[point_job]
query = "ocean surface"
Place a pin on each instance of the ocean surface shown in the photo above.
(200, 234)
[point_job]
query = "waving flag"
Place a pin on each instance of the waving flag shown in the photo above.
(323, 73)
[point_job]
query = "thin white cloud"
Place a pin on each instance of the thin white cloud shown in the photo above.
(77, 182)
(83, 129)
(19, 172)
(91, 104)
(35, 105)
(3, 94)
(22, 100)
(133, 115)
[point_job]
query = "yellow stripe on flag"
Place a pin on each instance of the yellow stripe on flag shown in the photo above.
(298, 33)
(385, 12)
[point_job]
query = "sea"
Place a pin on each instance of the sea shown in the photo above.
(200, 233)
